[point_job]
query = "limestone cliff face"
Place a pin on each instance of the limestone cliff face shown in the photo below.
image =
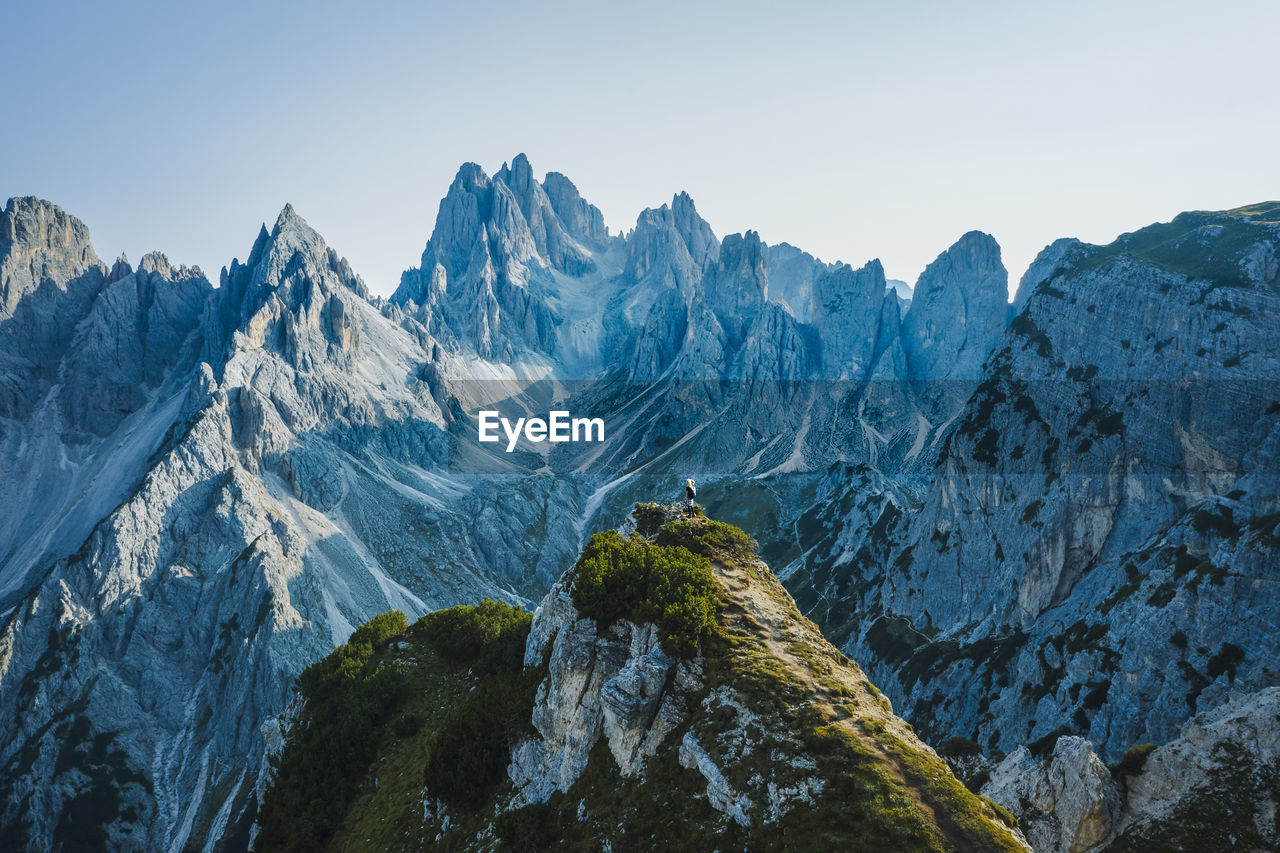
(957, 312)
(1101, 514)
(622, 688)
(41, 246)
(1211, 787)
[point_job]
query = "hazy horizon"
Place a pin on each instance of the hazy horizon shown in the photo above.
(851, 131)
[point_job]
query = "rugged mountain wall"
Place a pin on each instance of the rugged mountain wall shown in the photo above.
(1095, 549)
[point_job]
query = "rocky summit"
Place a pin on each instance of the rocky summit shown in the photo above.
(1047, 530)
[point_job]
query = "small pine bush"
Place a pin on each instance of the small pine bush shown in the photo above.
(709, 538)
(1134, 759)
(621, 577)
(488, 637)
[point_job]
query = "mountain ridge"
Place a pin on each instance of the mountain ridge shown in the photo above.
(617, 685)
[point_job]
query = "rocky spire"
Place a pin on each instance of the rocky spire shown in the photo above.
(738, 285)
(958, 310)
(40, 243)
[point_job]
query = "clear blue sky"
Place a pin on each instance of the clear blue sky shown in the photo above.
(853, 130)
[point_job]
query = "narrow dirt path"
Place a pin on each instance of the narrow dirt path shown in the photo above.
(758, 606)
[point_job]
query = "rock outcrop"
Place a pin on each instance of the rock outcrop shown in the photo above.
(958, 311)
(1066, 803)
(1212, 787)
(623, 688)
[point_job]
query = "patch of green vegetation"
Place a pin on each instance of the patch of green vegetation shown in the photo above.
(959, 747)
(1004, 814)
(1196, 683)
(1023, 326)
(1082, 373)
(894, 639)
(990, 654)
(471, 746)
(400, 691)
(963, 817)
(1218, 521)
(1162, 594)
(1225, 662)
(104, 779)
(1204, 247)
(632, 578)
(1267, 528)
(1083, 637)
(1133, 579)
(1133, 760)
(649, 518)
(486, 637)
(708, 538)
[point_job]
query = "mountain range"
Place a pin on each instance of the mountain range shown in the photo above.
(1046, 528)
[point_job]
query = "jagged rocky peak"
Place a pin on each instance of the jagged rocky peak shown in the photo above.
(958, 310)
(692, 228)
(295, 296)
(139, 328)
(1053, 259)
(848, 306)
(488, 274)
(581, 219)
(40, 243)
(120, 268)
(670, 245)
(737, 286)
(792, 274)
(554, 243)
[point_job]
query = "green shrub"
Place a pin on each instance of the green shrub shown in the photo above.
(471, 747)
(1134, 759)
(488, 637)
(349, 701)
(649, 518)
(361, 698)
(958, 747)
(630, 578)
(708, 538)
(380, 629)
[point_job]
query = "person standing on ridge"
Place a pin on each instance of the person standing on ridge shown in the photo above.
(689, 492)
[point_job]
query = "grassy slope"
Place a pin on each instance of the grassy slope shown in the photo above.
(780, 706)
